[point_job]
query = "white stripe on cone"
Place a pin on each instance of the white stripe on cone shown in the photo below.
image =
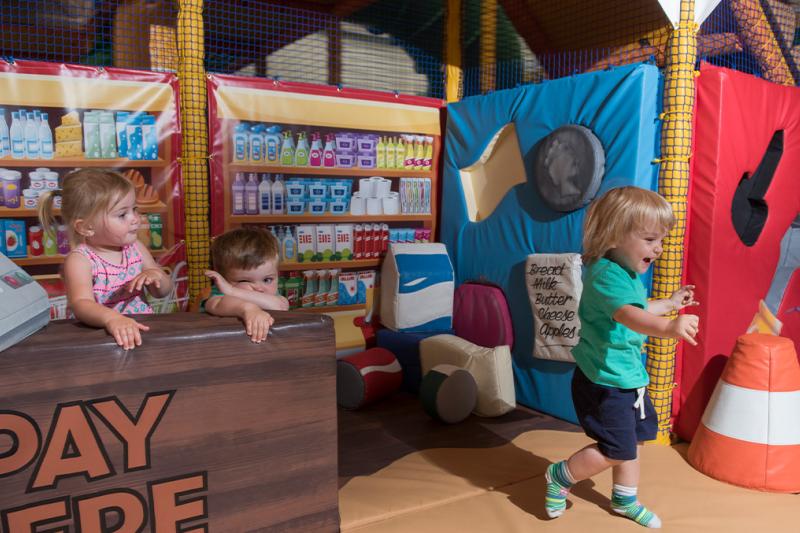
(756, 416)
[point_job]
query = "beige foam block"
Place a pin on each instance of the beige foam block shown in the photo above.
(497, 170)
(435, 477)
(685, 499)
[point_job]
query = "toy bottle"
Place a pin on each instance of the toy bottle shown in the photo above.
(31, 138)
(237, 190)
(45, 138)
(410, 158)
(427, 161)
(380, 153)
(241, 150)
(400, 153)
(278, 196)
(289, 247)
(5, 138)
(419, 152)
(301, 152)
(390, 152)
(315, 154)
(251, 194)
(17, 136)
(329, 153)
(256, 143)
(287, 149)
(272, 145)
(265, 195)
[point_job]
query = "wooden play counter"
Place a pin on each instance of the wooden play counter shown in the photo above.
(196, 430)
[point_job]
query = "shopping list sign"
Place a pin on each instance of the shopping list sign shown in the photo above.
(554, 288)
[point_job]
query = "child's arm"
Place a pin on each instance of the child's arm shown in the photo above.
(681, 298)
(80, 298)
(269, 302)
(682, 327)
(152, 276)
(256, 321)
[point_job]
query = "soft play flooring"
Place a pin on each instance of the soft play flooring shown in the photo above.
(399, 471)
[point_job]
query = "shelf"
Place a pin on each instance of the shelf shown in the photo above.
(310, 265)
(35, 260)
(70, 162)
(289, 219)
(158, 207)
(330, 308)
(329, 171)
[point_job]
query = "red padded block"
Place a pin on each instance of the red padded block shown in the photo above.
(736, 116)
(481, 315)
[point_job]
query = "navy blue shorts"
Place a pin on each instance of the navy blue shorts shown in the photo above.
(607, 415)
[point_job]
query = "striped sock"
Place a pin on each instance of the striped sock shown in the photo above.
(624, 502)
(559, 481)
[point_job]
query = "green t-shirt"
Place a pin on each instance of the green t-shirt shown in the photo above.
(609, 353)
(214, 292)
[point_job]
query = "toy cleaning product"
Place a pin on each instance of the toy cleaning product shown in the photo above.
(427, 161)
(323, 287)
(272, 145)
(309, 288)
(265, 195)
(108, 135)
(287, 149)
(45, 138)
(237, 194)
(251, 194)
(409, 158)
(31, 138)
(419, 152)
(294, 287)
(388, 148)
(5, 138)
(289, 246)
(241, 140)
(315, 153)
(278, 196)
(333, 292)
(329, 152)
(256, 143)
(400, 153)
(133, 130)
(120, 127)
(380, 153)
(301, 152)
(17, 135)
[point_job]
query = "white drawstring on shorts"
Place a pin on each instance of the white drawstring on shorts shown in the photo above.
(639, 403)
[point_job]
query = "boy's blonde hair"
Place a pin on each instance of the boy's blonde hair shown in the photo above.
(243, 248)
(619, 212)
(86, 194)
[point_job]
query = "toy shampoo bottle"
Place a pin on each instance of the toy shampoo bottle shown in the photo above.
(301, 152)
(315, 153)
(272, 145)
(380, 153)
(329, 153)
(287, 149)
(410, 157)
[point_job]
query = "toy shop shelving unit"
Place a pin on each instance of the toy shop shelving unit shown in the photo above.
(61, 89)
(296, 106)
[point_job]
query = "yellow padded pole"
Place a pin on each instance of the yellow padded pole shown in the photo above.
(673, 184)
(194, 159)
(452, 52)
(488, 40)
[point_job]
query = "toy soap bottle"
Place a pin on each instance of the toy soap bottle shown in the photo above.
(410, 158)
(301, 152)
(419, 152)
(315, 153)
(390, 152)
(329, 153)
(287, 149)
(272, 145)
(380, 153)
(251, 194)
(265, 195)
(400, 154)
(427, 162)
(278, 196)
(237, 194)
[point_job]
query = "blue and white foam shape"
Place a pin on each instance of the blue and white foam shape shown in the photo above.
(417, 284)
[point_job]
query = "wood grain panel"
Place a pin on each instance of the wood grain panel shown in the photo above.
(258, 420)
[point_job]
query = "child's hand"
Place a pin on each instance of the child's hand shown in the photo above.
(684, 327)
(145, 278)
(221, 283)
(256, 323)
(683, 297)
(125, 331)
